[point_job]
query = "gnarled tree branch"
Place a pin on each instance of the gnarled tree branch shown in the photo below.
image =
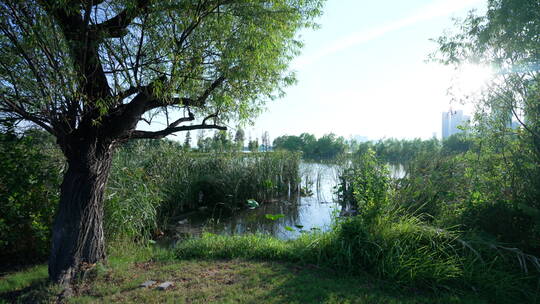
(116, 26)
(161, 134)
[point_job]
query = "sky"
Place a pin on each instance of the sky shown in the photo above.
(364, 72)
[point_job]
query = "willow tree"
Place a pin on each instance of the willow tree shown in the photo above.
(91, 72)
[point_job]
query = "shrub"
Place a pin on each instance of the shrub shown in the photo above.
(433, 184)
(365, 183)
(30, 172)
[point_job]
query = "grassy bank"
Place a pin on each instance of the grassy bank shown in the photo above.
(223, 280)
(390, 259)
(406, 253)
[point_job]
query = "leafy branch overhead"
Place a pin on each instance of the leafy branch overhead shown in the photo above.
(70, 65)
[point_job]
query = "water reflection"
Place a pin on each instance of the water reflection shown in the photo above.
(397, 171)
(299, 213)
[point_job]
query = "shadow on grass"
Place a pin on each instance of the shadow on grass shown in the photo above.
(222, 281)
(310, 284)
(36, 292)
(245, 281)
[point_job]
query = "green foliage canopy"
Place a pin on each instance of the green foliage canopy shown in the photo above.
(507, 40)
(67, 64)
(508, 159)
(329, 146)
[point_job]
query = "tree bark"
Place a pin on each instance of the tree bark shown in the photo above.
(77, 238)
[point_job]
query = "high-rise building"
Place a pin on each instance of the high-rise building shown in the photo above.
(451, 120)
(445, 124)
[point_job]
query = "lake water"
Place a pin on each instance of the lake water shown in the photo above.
(300, 214)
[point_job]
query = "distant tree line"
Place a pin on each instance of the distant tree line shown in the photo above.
(328, 146)
(403, 151)
(221, 141)
(394, 151)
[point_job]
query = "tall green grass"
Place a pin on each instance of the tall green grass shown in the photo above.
(400, 249)
(404, 251)
(153, 182)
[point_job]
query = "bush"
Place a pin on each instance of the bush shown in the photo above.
(501, 221)
(403, 250)
(451, 222)
(434, 184)
(30, 174)
(132, 200)
(365, 183)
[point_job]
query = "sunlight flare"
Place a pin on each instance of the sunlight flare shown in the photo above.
(472, 78)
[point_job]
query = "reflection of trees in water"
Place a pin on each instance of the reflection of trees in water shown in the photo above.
(256, 221)
(323, 178)
(296, 210)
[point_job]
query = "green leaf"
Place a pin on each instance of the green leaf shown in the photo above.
(252, 204)
(274, 217)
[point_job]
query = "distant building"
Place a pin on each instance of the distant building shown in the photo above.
(359, 138)
(451, 120)
(512, 123)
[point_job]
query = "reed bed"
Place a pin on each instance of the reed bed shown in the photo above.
(154, 182)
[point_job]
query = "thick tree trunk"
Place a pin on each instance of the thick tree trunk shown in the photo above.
(77, 237)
